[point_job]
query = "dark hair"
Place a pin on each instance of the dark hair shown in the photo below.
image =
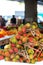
(13, 16)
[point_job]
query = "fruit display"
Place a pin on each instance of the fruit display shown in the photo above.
(11, 32)
(2, 33)
(6, 31)
(26, 46)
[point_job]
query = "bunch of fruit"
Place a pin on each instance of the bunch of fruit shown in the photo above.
(25, 46)
(2, 33)
(7, 32)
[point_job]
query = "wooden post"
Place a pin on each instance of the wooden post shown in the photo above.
(31, 9)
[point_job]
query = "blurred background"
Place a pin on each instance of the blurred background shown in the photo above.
(9, 8)
(17, 8)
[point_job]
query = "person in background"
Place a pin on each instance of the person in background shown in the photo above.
(2, 21)
(24, 21)
(8, 22)
(13, 20)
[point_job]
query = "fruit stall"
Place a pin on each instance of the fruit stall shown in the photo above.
(24, 44)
